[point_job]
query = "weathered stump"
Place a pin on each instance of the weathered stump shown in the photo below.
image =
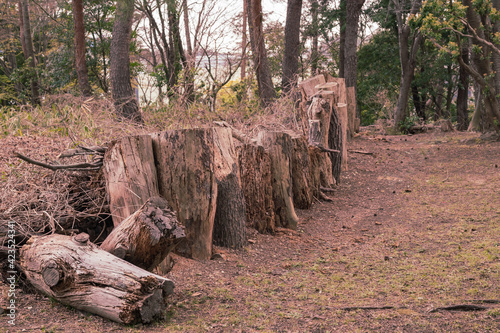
(301, 174)
(255, 170)
(335, 141)
(146, 237)
(186, 178)
(280, 148)
(129, 168)
(315, 158)
(351, 110)
(230, 219)
(342, 113)
(77, 273)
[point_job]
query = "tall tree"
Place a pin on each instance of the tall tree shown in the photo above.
(463, 90)
(126, 105)
(407, 56)
(260, 63)
(244, 42)
(80, 61)
(29, 54)
(353, 11)
(292, 44)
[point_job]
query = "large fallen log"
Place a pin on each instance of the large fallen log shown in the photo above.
(77, 273)
(186, 179)
(255, 170)
(280, 148)
(146, 237)
(230, 219)
(129, 168)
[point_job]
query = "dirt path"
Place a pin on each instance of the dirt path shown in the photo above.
(412, 228)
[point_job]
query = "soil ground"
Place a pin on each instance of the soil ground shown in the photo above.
(412, 228)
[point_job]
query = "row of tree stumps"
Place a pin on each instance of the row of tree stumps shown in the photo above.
(189, 189)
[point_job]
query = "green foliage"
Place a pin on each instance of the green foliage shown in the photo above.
(378, 76)
(275, 46)
(408, 123)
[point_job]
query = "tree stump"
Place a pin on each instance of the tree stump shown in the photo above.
(186, 178)
(315, 158)
(342, 113)
(146, 237)
(230, 216)
(280, 148)
(351, 110)
(335, 141)
(255, 170)
(301, 175)
(77, 273)
(129, 168)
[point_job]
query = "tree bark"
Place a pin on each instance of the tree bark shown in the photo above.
(292, 45)
(146, 237)
(301, 174)
(186, 178)
(353, 11)
(336, 141)
(463, 91)
(230, 215)
(407, 59)
(126, 106)
(77, 273)
(255, 170)
(279, 146)
(130, 171)
(80, 62)
(243, 67)
(260, 62)
(29, 55)
(342, 24)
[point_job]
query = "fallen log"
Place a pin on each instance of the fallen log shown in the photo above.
(186, 179)
(130, 172)
(77, 273)
(280, 148)
(255, 171)
(146, 237)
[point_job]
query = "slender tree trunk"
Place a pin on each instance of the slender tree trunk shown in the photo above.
(29, 55)
(190, 58)
(314, 46)
(21, 26)
(353, 11)
(407, 59)
(343, 6)
(243, 67)
(124, 98)
(463, 91)
(292, 44)
(261, 65)
(80, 62)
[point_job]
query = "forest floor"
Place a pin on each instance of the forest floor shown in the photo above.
(413, 228)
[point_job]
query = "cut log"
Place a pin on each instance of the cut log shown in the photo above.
(315, 156)
(351, 110)
(255, 170)
(146, 237)
(308, 87)
(342, 113)
(230, 219)
(301, 175)
(335, 141)
(185, 163)
(77, 273)
(280, 148)
(129, 168)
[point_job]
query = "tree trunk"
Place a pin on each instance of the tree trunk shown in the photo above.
(351, 110)
(279, 146)
(29, 55)
(463, 91)
(353, 11)
(315, 158)
(130, 171)
(342, 24)
(124, 98)
(292, 45)
(475, 123)
(189, 70)
(146, 237)
(243, 67)
(260, 62)
(407, 60)
(80, 62)
(77, 273)
(186, 178)
(255, 170)
(230, 215)
(302, 192)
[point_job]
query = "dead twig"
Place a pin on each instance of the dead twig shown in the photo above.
(77, 167)
(361, 152)
(460, 307)
(353, 308)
